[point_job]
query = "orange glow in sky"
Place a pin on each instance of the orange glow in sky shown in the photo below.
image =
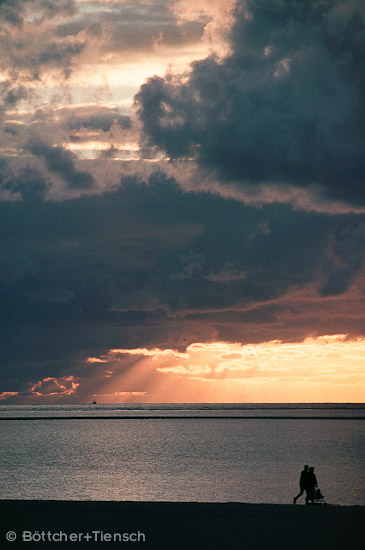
(324, 369)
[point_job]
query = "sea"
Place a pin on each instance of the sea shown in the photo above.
(251, 453)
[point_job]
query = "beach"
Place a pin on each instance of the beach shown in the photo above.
(170, 526)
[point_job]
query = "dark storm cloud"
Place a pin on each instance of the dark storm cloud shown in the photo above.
(286, 107)
(350, 243)
(14, 268)
(62, 162)
(150, 251)
(150, 265)
(28, 182)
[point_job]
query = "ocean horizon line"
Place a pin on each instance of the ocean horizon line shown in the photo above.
(185, 418)
(225, 405)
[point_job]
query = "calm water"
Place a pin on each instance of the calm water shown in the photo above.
(181, 453)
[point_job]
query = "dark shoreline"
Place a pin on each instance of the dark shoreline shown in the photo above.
(184, 525)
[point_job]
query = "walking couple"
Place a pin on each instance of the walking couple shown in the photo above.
(308, 483)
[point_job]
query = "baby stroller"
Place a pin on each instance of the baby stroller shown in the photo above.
(315, 497)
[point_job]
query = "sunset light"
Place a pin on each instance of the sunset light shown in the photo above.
(181, 207)
(328, 369)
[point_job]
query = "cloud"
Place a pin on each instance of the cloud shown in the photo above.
(26, 182)
(159, 251)
(28, 54)
(284, 108)
(147, 265)
(62, 139)
(14, 268)
(238, 217)
(53, 386)
(350, 243)
(14, 11)
(275, 358)
(133, 27)
(11, 94)
(97, 118)
(48, 388)
(129, 393)
(32, 56)
(216, 15)
(154, 353)
(330, 365)
(274, 370)
(62, 162)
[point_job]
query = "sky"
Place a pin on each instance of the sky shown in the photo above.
(182, 202)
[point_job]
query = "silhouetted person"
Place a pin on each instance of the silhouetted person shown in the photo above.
(303, 483)
(312, 485)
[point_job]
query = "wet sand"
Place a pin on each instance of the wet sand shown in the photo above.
(175, 526)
